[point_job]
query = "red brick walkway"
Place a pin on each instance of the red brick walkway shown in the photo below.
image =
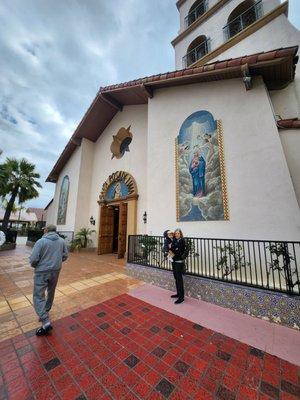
(125, 348)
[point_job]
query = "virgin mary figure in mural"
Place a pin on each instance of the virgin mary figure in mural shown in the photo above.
(197, 171)
(199, 162)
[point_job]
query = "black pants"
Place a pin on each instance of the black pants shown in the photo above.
(177, 272)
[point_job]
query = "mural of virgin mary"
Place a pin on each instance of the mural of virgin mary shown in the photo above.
(197, 171)
(200, 196)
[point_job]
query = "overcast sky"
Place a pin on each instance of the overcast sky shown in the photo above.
(54, 56)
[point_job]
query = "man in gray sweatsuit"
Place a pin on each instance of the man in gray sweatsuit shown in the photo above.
(46, 258)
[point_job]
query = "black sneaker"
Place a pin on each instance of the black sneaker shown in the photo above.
(43, 331)
(174, 296)
(178, 301)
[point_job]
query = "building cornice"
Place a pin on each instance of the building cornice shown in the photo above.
(179, 3)
(260, 23)
(198, 21)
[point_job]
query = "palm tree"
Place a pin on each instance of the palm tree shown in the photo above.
(83, 236)
(14, 208)
(18, 181)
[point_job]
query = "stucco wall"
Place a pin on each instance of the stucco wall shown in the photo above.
(134, 162)
(72, 170)
(213, 28)
(84, 185)
(51, 214)
(286, 102)
(262, 202)
(278, 33)
(290, 140)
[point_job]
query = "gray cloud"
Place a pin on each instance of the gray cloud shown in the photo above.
(56, 54)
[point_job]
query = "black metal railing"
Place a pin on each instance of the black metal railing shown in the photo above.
(271, 265)
(196, 13)
(34, 234)
(196, 53)
(245, 19)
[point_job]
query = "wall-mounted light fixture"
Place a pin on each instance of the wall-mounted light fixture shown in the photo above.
(92, 221)
(145, 217)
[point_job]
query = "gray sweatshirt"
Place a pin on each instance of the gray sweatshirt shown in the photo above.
(48, 253)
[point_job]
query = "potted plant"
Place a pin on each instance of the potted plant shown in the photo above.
(82, 239)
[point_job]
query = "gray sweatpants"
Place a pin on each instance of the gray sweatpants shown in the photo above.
(44, 281)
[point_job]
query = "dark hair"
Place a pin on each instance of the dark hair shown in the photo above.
(180, 231)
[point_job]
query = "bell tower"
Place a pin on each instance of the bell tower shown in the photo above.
(219, 29)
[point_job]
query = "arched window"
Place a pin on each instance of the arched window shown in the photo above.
(197, 9)
(196, 50)
(242, 16)
(63, 201)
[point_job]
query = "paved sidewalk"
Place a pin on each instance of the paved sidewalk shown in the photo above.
(272, 338)
(86, 279)
(127, 349)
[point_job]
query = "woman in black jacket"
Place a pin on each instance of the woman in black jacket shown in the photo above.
(178, 248)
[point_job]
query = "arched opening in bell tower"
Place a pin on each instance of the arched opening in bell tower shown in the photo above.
(242, 16)
(198, 8)
(196, 50)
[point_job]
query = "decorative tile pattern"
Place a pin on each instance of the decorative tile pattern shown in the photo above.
(165, 388)
(182, 363)
(275, 307)
(159, 352)
(169, 328)
(131, 361)
(101, 314)
(181, 367)
(51, 364)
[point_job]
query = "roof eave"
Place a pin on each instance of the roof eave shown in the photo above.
(111, 99)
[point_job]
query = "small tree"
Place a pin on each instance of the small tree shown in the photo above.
(18, 181)
(83, 235)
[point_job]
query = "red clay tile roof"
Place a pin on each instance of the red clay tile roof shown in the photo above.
(293, 123)
(278, 64)
(40, 213)
(217, 65)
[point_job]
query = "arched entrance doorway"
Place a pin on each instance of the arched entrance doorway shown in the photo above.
(118, 207)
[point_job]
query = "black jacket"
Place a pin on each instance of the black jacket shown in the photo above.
(167, 242)
(178, 248)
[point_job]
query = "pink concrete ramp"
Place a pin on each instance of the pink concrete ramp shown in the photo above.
(274, 339)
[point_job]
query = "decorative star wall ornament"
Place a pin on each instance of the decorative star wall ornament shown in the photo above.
(121, 142)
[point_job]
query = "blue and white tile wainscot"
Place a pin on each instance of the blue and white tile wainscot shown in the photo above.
(271, 306)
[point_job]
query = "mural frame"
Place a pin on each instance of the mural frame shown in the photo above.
(119, 176)
(62, 221)
(222, 173)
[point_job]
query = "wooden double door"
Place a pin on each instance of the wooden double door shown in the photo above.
(113, 229)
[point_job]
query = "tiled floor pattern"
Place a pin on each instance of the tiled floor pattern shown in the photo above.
(86, 279)
(128, 349)
(269, 337)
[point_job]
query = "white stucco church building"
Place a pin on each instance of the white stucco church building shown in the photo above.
(211, 147)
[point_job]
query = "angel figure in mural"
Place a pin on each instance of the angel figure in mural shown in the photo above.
(202, 156)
